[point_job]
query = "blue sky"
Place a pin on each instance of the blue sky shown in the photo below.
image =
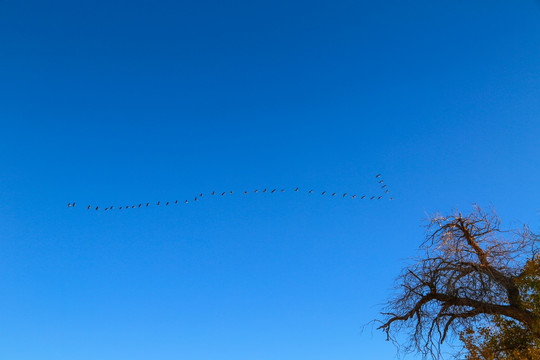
(126, 102)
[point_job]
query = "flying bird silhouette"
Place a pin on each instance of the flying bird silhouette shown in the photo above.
(296, 189)
(158, 203)
(310, 191)
(373, 197)
(378, 175)
(222, 193)
(344, 194)
(324, 192)
(273, 191)
(354, 196)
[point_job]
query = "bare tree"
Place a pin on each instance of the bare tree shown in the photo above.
(465, 277)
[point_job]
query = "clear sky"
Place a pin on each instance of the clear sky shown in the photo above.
(121, 102)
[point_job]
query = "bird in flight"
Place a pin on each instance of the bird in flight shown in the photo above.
(378, 175)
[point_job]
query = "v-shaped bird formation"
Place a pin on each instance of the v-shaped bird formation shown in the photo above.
(140, 205)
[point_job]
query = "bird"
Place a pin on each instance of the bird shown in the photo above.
(141, 205)
(88, 208)
(324, 192)
(379, 198)
(133, 206)
(111, 208)
(373, 197)
(69, 204)
(334, 194)
(158, 202)
(176, 202)
(273, 191)
(245, 192)
(296, 189)
(213, 192)
(167, 203)
(106, 209)
(230, 192)
(380, 182)
(391, 198)
(120, 208)
(264, 190)
(363, 196)
(200, 195)
(147, 204)
(222, 193)
(73, 205)
(97, 207)
(383, 186)
(386, 191)
(185, 202)
(310, 191)
(195, 199)
(378, 175)
(354, 196)
(255, 191)
(282, 190)
(344, 194)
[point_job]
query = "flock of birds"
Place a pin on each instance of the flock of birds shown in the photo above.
(381, 183)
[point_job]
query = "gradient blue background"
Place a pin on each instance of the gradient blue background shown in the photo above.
(119, 102)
